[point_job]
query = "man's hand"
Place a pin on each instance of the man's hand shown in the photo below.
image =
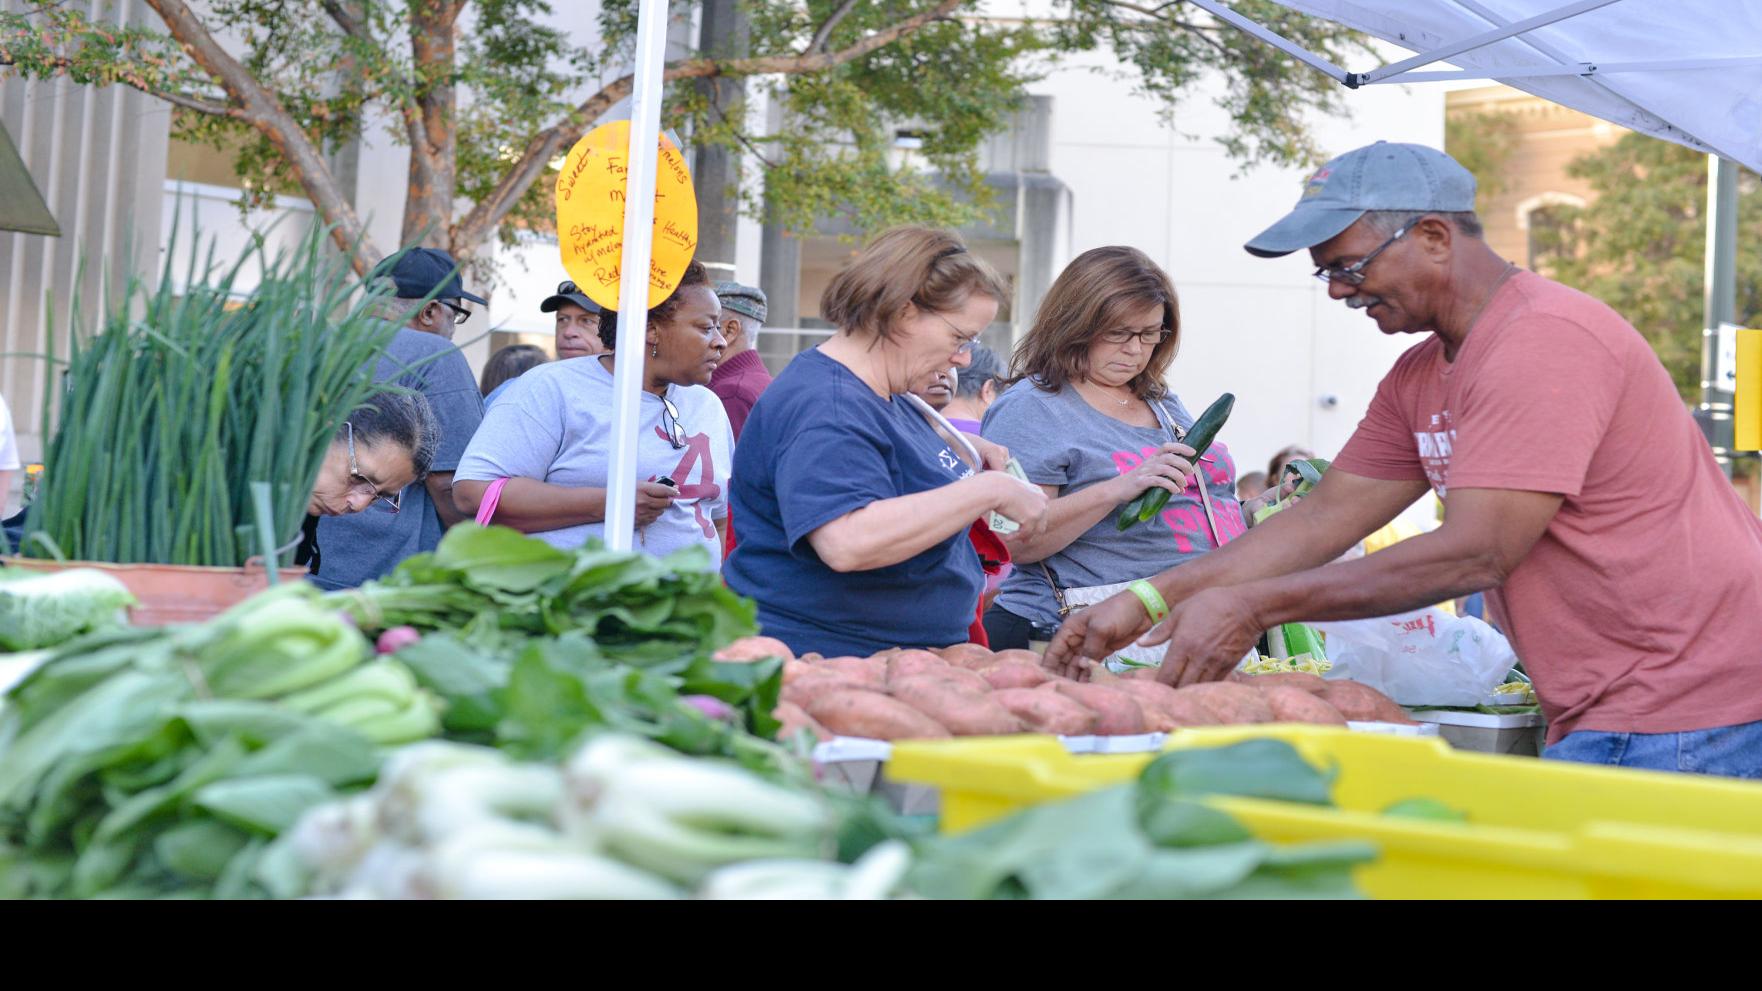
(1091, 636)
(1208, 636)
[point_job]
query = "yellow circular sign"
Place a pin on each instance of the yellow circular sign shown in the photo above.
(590, 215)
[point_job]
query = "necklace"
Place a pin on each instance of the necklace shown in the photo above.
(1510, 267)
(1120, 402)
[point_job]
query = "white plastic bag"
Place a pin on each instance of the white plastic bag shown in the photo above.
(1428, 657)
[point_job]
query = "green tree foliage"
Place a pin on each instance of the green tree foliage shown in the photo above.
(1640, 245)
(487, 94)
(1483, 143)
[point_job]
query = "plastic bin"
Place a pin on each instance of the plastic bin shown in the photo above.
(1486, 733)
(1536, 829)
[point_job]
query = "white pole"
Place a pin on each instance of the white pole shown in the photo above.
(633, 290)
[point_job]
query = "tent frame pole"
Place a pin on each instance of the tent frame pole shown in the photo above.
(1273, 38)
(633, 290)
(1720, 299)
(1577, 69)
(1481, 40)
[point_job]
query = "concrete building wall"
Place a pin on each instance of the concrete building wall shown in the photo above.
(94, 154)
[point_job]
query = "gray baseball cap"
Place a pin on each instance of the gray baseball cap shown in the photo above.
(744, 300)
(1382, 176)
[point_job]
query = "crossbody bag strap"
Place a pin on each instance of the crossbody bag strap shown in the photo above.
(1204, 489)
(1058, 595)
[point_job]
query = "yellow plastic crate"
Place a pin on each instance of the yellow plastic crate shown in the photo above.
(1536, 829)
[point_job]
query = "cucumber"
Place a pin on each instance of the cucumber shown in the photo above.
(1199, 437)
(1205, 429)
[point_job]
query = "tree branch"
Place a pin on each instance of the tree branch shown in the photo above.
(824, 34)
(543, 146)
(348, 17)
(135, 81)
(260, 108)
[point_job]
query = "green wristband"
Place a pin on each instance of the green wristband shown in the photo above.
(1152, 599)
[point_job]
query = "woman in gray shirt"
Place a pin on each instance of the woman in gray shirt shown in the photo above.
(1092, 423)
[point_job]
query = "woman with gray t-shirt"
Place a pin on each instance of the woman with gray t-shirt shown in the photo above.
(1092, 423)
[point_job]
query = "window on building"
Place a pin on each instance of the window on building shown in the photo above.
(823, 256)
(1550, 226)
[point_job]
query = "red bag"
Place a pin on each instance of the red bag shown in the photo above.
(993, 555)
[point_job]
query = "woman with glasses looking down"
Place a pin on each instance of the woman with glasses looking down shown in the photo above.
(550, 435)
(1093, 423)
(854, 510)
(382, 448)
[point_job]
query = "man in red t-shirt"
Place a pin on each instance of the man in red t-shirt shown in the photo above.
(1577, 488)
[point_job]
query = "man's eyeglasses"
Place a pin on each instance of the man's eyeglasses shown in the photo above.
(460, 314)
(360, 481)
(967, 344)
(1353, 274)
(670, 422)
(1149, 338)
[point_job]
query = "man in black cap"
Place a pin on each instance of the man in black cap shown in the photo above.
(417, 273)
(370, 544)
(578, 322)
(741, 376)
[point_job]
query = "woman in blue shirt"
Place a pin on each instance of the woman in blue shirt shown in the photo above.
(853, 509)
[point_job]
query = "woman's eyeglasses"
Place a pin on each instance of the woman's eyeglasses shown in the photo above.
(360, 481)
(967, 344)
(1149, 338)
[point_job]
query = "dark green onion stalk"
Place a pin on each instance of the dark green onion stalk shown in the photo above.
(184, 395)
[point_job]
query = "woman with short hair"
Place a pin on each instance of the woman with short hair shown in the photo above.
(853, 509)
(385, 445)
(551, 437)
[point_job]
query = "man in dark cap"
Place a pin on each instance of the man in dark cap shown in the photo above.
(369, 544)
(741, 376)
(1578, 491)
(578, 322)
(420, 271)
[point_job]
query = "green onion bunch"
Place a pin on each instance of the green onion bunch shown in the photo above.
(186, 394)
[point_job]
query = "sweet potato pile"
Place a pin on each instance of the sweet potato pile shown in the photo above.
(967, 690)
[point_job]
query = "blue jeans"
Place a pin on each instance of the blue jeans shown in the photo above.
(1731, 751)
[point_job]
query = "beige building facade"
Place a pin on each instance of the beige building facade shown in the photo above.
(1537, 140)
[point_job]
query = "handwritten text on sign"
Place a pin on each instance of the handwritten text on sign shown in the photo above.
(590, 215)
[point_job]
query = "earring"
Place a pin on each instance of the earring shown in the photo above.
(655, 351)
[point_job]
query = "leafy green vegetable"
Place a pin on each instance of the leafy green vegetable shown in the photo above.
(494, 588)
(1150, 839)
(1425, 808)
(1252, 768)
(48, 609)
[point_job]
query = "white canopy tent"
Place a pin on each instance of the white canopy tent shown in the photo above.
(1688, 71)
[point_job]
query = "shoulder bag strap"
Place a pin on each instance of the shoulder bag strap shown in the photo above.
(1204, 488)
